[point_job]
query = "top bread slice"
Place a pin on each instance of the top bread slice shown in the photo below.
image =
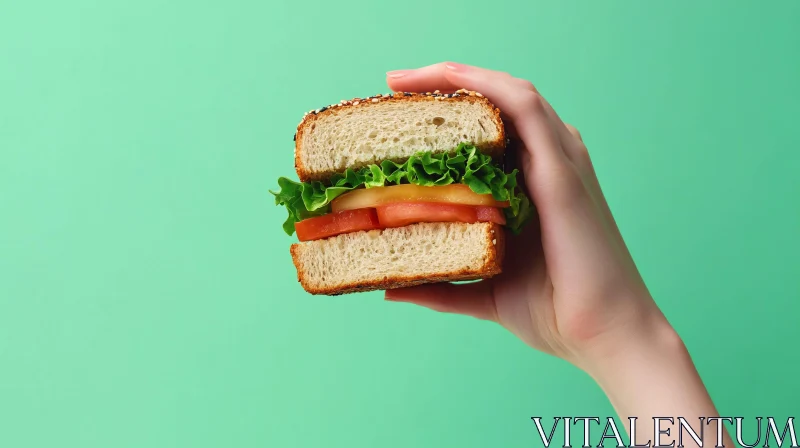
(363, 131)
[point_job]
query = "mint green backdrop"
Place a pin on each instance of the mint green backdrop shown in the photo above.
(147, 298)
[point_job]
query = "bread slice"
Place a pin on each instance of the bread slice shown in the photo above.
(363, 131)
(399, 257)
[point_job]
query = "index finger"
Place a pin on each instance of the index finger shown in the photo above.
(512, 95)
(435, 77)
(423, 79)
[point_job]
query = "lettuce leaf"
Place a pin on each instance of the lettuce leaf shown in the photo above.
(465, 165)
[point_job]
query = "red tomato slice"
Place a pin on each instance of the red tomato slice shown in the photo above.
(491, 214)
(405, 213)
(337, 223)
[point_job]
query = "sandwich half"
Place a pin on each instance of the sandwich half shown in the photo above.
(399, 190)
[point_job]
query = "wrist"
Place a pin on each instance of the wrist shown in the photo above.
(646, 344)
(651, 374)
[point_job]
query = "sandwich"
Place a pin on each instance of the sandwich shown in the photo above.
(399, 190)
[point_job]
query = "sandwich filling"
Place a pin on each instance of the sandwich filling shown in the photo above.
(460, 186)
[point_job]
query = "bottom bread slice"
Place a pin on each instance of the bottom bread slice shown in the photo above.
(399, 257)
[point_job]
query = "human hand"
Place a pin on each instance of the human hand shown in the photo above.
(569, 287)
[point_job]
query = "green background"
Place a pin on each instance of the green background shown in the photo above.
(147, 297)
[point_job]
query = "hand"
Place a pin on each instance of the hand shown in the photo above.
(569, 287)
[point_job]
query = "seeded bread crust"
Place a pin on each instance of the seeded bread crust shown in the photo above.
(493, 148)
(494, 253)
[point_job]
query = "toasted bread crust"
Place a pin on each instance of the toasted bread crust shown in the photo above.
(495, 243)
(493, 148)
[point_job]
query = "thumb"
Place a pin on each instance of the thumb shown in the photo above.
(470, 299)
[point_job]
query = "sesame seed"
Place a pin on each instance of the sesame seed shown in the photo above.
(436, 91)
(356, 103)
(494, 242)
(478, 95)
(471, 93)
(375, 100)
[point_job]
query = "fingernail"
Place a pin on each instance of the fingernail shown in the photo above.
(456, 67)
(396, 74)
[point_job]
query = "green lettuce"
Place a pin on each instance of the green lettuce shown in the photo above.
(465, 165)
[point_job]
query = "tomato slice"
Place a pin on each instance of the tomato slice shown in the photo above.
(377, 196)
(491, 214)
(393, 215)
(405, 213)
(337, 223)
